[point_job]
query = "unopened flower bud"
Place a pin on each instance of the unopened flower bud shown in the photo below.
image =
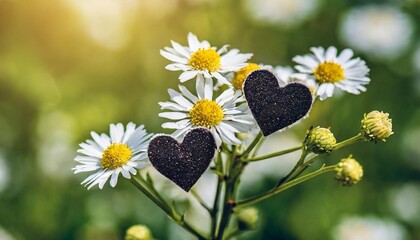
(376, 126)
(348, 171)
(138, 232)
(320, 140)
(247, 218)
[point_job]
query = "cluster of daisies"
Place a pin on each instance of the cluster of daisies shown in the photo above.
(225, 113)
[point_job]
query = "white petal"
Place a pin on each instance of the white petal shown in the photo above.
(131, 127)
(180, 133)
(208, 89)
(199, 85)
(116, 132)
(319, 53)
(173, 57)
(221, 79)
(103, 144)
(114, 177)
(172, 106)
(185, 76)
(188, 94)
(90, 153)
(345, 55)
(176, 125)
(216, 136)
(226, 96)
(177, 67)
(178, 98)
(193, 42)
(173, 115)
(331, 54)
(180, 49)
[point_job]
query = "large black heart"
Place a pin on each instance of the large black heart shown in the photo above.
(274, 107)
(183, 163)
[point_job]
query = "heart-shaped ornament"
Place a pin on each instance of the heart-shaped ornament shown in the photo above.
(183, 163)
(272, 106)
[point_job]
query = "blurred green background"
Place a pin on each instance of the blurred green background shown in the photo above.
(68, 67)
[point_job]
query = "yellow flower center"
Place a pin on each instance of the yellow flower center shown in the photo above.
(205, 59)
(241, 75)
(115, 156)
(206, 113)
(329, 72)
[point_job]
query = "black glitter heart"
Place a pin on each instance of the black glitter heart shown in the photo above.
(183, 163)
(274, 107)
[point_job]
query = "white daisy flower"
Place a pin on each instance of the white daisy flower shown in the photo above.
(327, 70)
(380, 31)
(200, 60)
(121, 152)
(283, 13)
(224, 117)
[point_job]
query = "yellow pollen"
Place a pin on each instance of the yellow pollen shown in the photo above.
(329, 72)
(115, 156)
(206, 113)
(205, 59)
(240, 75)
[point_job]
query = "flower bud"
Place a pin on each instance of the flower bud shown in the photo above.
(348, 171)
(376, 126)
(247, 218)
(320, 140)
(138, 232)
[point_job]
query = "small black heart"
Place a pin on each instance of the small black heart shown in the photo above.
(272, 106)
(183, 163)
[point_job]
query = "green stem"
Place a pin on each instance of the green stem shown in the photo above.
(275, 154)
(164, 206)
(298, 164)
(254, 200)
(358, 138)
(226, 212)
(215, 208)
(231, 184)
(257, 147)
(151, 196)
(200, 200)
(304, 166)
(252, 145)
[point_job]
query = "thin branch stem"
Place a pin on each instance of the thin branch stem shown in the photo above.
(275, 154)
(254, 200)
(257, 147)
(215, 208)
(165, 207)
(304, 166)
(295, 168)
(252, 145)
(358, 138)
(201, 201)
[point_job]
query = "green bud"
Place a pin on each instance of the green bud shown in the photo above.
(349, 171)
(320, 140)
(376, 126)
(247, 218)
(138, 232)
